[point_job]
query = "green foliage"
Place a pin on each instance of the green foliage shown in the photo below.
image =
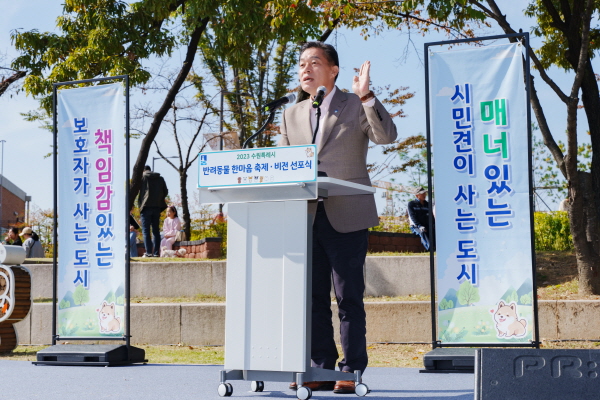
(98, 38)
(64, 304)
(511, 297)
(526, 299)
(446, 304)
(482, 329)
(547, 179)
(68, 330)
(89, 325)
(449, 16)
(467, 293)
(552, 231)
(453, 334)
(81, 296)
(392, 224)
(120, 301)
(555, 45)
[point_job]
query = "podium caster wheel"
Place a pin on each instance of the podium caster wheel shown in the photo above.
(257, 386)
(225, 390)
(303, 393)
(361, 390)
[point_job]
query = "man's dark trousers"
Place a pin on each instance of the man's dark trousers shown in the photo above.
(341, 256)
(151, 219)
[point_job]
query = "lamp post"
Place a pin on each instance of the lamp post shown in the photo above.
(160, 158)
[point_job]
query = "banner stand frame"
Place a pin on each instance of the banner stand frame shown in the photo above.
(460, 357)
(90, 354)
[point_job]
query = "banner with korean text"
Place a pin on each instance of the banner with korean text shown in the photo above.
(91, 211)
(480, 165)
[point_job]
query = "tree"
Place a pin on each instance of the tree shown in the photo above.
(81, 296)
(101, 38)
(446, 304)
(467, 293)
(568, 44)
(547, 177)
(511, 296)
(526, 299)
(8, 76)
(192, 113)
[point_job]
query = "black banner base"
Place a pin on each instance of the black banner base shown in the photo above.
(507, 374)
(104, 355)
(449, 360)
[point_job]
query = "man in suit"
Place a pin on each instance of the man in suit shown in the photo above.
(347, 123)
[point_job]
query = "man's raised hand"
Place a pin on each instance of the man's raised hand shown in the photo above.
(360, 85)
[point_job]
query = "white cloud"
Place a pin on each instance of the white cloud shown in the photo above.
(445, 91)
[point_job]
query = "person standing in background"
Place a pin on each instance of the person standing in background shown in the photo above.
(151, 202)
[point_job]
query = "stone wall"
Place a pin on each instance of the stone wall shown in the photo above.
(400, 242)
(393, 321)
(203, 248)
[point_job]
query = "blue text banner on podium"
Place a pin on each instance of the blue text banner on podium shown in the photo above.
(271, 165)
(480, 156)
(91, 211)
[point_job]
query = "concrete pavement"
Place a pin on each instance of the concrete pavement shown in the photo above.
(22, 380)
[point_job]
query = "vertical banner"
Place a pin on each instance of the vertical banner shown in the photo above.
(91, 211)
(479, 134)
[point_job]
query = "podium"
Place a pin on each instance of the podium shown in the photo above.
(269, 286)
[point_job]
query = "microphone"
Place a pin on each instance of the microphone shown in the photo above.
(321, 92)
(274, 105)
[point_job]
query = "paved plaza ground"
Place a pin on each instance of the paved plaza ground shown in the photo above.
(22, 380)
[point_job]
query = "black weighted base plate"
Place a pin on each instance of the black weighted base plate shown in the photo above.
(510, 374)
(91, 355)
(449, 360)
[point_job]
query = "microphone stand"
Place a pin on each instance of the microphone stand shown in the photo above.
(317, 127)
(262, 128)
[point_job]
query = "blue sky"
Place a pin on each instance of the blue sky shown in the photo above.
(26, 144)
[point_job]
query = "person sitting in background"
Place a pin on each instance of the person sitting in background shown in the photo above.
(133, 227)
(171, 226)
(418, 214)
(33, 247)
(12, 237)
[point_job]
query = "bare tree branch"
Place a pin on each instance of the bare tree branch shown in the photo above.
(5, 83)
(136, 176)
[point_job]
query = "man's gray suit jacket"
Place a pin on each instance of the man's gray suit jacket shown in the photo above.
(342, 152)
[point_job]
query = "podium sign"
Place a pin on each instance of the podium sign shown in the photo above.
(251, 167)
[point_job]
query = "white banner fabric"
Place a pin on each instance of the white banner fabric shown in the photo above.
(91, 211)
(481, 187)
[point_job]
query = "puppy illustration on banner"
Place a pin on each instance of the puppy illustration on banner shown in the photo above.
(109, 322)
(507, 321)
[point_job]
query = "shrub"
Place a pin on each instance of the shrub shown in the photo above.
(552, 231)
